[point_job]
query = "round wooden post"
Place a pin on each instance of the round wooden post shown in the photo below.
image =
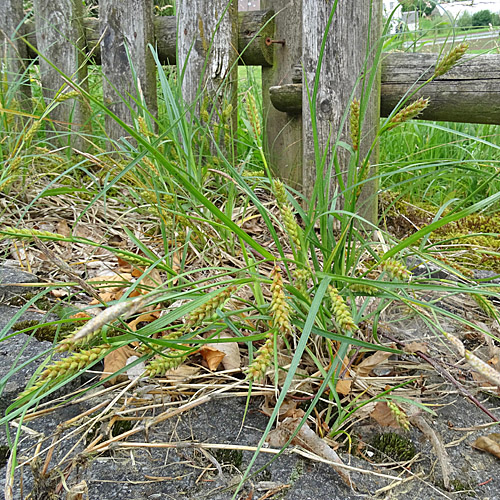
(13, 51)
(207, 49)
(284, 130)
(351, 40)
(127, 28)
(60, 39)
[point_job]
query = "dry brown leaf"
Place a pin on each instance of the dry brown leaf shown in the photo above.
(111, 291)
(115, 361)
(144, 318)
(489, 443)
(367, 365)
(413, 347)
(345, 384)
(384, 416)
(63, 229)
(212, 356)
(59, 293)
(182, 372)
(287, 409)
(232, 358)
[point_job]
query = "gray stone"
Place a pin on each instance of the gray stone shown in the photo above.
(14, 282)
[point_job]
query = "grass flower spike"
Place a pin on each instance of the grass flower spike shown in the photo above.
(407, 113)
(399, 415)
(455, 54)
(66, 367)
(292, 228)
(207, 310)
(354, 122)
(160, 365)
(280, 310)
(341, 312)
(263, 359)
(395, 269)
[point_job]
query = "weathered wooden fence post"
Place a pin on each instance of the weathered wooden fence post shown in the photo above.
(127, 28)
(13, 53)
(208, 51)
(284, 130)
(350, 48)
(60, 39)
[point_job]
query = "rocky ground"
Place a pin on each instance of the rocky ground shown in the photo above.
(184, 455)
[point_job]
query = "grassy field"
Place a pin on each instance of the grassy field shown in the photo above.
(169, 243)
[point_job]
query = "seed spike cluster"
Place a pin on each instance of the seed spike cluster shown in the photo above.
(253, 114)
(32, 131)
(399, 415)
(364, 289)
(66, 367)
(263, 359)
(289, 222)
(161, 364)
(407, 113)
(208, 309)
(341, 311)
(452, 58)
(19, 233)
(395, 269)
(280, 309)
(302, 276)
(354, 123)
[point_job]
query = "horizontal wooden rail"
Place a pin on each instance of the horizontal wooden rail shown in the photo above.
(256, 29)
(469, 93)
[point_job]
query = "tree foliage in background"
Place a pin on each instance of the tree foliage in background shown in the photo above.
(481, 19)
(423, 6)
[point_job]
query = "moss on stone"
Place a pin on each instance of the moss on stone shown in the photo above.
(393, 446)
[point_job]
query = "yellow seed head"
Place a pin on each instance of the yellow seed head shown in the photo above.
(341, 312)
(280, 309)
(19, 233)
(263, 359)
(354, 122)
(400, 416)
(395, 269)
(452, 58)
(64, 96)
(66, 367)
(161, 364)
(207, 310)
(363, 289)
(409, 112)
(253, 114)
(32, 131)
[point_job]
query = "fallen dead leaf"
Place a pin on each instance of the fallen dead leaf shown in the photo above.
(212, 356)
(384, 416)
(115, 361)
(232, 358)
(489, 443)
(181, 373)
(413, 347)
(287, 409)
(367, 365)
(345, 384)
(144, 318)
(63, 229)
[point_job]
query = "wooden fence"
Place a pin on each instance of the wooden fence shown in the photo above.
(206, 39)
